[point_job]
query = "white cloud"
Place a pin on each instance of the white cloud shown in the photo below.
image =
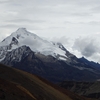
(88, 46)
(64, 40)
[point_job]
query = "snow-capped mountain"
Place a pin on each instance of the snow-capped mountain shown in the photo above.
(23, 37)
(29, 52)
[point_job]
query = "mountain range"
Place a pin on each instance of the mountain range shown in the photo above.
(27, 51)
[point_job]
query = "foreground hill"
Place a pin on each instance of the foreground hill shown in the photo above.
(20, 85)
(11, 91)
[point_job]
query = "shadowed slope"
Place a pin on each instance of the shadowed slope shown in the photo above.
(20, 84)
(86, 89)
(11, 91)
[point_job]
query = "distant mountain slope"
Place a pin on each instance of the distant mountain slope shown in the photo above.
(90, 63)
(87, 89)
(19, 85)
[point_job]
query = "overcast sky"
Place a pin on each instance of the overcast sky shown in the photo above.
(75, 23)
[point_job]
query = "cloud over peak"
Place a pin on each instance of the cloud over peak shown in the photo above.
(88, 46)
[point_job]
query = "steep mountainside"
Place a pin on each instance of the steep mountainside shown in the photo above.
(87, 89)
(19, 85)
(91, 63)
(29, 52)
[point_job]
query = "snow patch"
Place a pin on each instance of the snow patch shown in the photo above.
(83, 68)
(62, 58)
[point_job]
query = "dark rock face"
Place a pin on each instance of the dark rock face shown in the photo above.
(14, 41)
(16, 55)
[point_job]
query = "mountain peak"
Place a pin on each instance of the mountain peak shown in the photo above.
(23, 37)
(21, 29)
(19, 34)
(22, 33)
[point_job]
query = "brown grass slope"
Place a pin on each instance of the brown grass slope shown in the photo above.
(9, 91)
(19, 85)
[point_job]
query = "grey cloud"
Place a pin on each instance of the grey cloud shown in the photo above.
(44, 9)
(16, 26)
(94, 23)
(47, 9)
(4, 1)
(90, 23)
(55, 27)
(89, 50)
(86, 3)
(87, 46)
(95, 9)
(64, 40)
(82, 14)
(9, 26)
(25, 21)
(95, 57)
